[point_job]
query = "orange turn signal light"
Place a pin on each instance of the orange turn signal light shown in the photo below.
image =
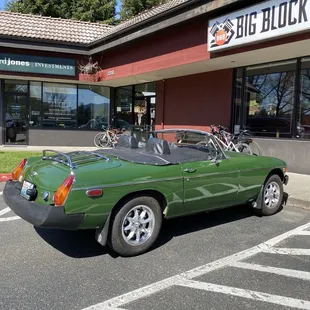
(18, 170)
(285, 170)
(63, 191)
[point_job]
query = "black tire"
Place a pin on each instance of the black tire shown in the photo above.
(272, 209)
(117, 239)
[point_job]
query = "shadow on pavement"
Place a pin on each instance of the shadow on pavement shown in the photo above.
(76, 244)
(81, 244)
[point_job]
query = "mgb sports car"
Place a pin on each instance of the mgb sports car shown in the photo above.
(124, 193)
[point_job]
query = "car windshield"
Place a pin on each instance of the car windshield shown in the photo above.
(189, 138)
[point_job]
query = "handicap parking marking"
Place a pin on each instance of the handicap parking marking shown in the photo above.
(9, 219)
(5, 211)
(187, 279)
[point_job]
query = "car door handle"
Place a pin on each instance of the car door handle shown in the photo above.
(190, 170)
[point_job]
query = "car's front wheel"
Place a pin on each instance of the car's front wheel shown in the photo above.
(272, 195)
(136, 226)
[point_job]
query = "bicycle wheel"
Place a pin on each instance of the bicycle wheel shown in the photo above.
(101, 140)
(243, 148)
(97, 139)
(256, 150)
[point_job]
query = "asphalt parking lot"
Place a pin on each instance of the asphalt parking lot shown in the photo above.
(229, 259)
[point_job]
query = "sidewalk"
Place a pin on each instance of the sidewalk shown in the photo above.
(298, 189)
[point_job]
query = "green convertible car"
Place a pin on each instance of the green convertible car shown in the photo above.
(125, 192)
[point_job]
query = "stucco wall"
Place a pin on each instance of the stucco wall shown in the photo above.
(195, 101)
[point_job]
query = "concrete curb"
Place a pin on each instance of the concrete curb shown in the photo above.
(298, 203)
(4, 177)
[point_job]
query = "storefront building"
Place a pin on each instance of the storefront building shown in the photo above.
(185, 64)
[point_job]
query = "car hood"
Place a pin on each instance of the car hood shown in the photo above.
(270, 161)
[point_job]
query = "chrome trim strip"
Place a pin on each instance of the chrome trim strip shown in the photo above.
(252, 169)
(128, 183)
(192, 176)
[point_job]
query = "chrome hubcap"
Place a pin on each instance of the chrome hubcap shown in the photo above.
(138, 225)
(272, 195)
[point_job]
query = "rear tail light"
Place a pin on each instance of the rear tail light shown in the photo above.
(18, 170)
(63, 191)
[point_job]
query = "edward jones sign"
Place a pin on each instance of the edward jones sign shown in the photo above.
(267, 20)
(37, 64)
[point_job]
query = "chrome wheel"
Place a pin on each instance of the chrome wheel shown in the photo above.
(272, 195)
(138, 225)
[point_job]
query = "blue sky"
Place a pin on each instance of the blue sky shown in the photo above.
(2, 2)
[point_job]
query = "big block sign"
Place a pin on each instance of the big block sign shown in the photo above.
(265, 21)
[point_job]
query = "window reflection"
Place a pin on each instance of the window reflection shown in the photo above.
(15, 86)
(303, 124)
(269, 98)
(59, 105)
(93, 107)
(124, 107)
(35, 104)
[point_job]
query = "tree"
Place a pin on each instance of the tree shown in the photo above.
(86, 10)
(130, 8)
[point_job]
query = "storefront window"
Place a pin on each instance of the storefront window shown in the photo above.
(14, 86)
(147, 89)
(59, 105)
(303, 123)
(269, 98)
(35, 104)
(93, 107)
(238, 100)
(123, 115)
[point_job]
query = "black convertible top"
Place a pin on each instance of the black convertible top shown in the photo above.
(156, 152)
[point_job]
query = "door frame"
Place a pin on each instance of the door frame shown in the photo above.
(27, 96)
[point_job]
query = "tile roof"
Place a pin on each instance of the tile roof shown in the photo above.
(69, 30)
(50, 28)
(143, 16)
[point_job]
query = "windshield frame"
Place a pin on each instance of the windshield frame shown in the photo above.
(221, 151)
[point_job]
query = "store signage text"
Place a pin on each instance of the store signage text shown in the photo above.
(257, 23)
(37, 64)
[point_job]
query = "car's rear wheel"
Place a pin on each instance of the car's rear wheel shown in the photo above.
(272, 195)
(136, 226)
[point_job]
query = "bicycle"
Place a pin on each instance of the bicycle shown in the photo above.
(237, 142)
(230, 142)
(108, 138)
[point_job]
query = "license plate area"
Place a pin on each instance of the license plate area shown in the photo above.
(23, 192)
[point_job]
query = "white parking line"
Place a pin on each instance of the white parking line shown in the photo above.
(287, 251)
(259, 296)
(304, 233)
(304, 275)
(8, 219)
(184, 279)
(1, 193)
(5, 211)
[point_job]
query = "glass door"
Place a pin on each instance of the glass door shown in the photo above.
(141, 109)
(16, 97)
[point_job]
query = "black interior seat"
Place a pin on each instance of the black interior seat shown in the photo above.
(157, 146)
(128, 142)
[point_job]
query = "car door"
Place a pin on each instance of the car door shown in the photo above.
(210, 185)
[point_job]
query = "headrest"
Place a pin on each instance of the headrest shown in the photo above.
(129, 142)
(157, 146)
